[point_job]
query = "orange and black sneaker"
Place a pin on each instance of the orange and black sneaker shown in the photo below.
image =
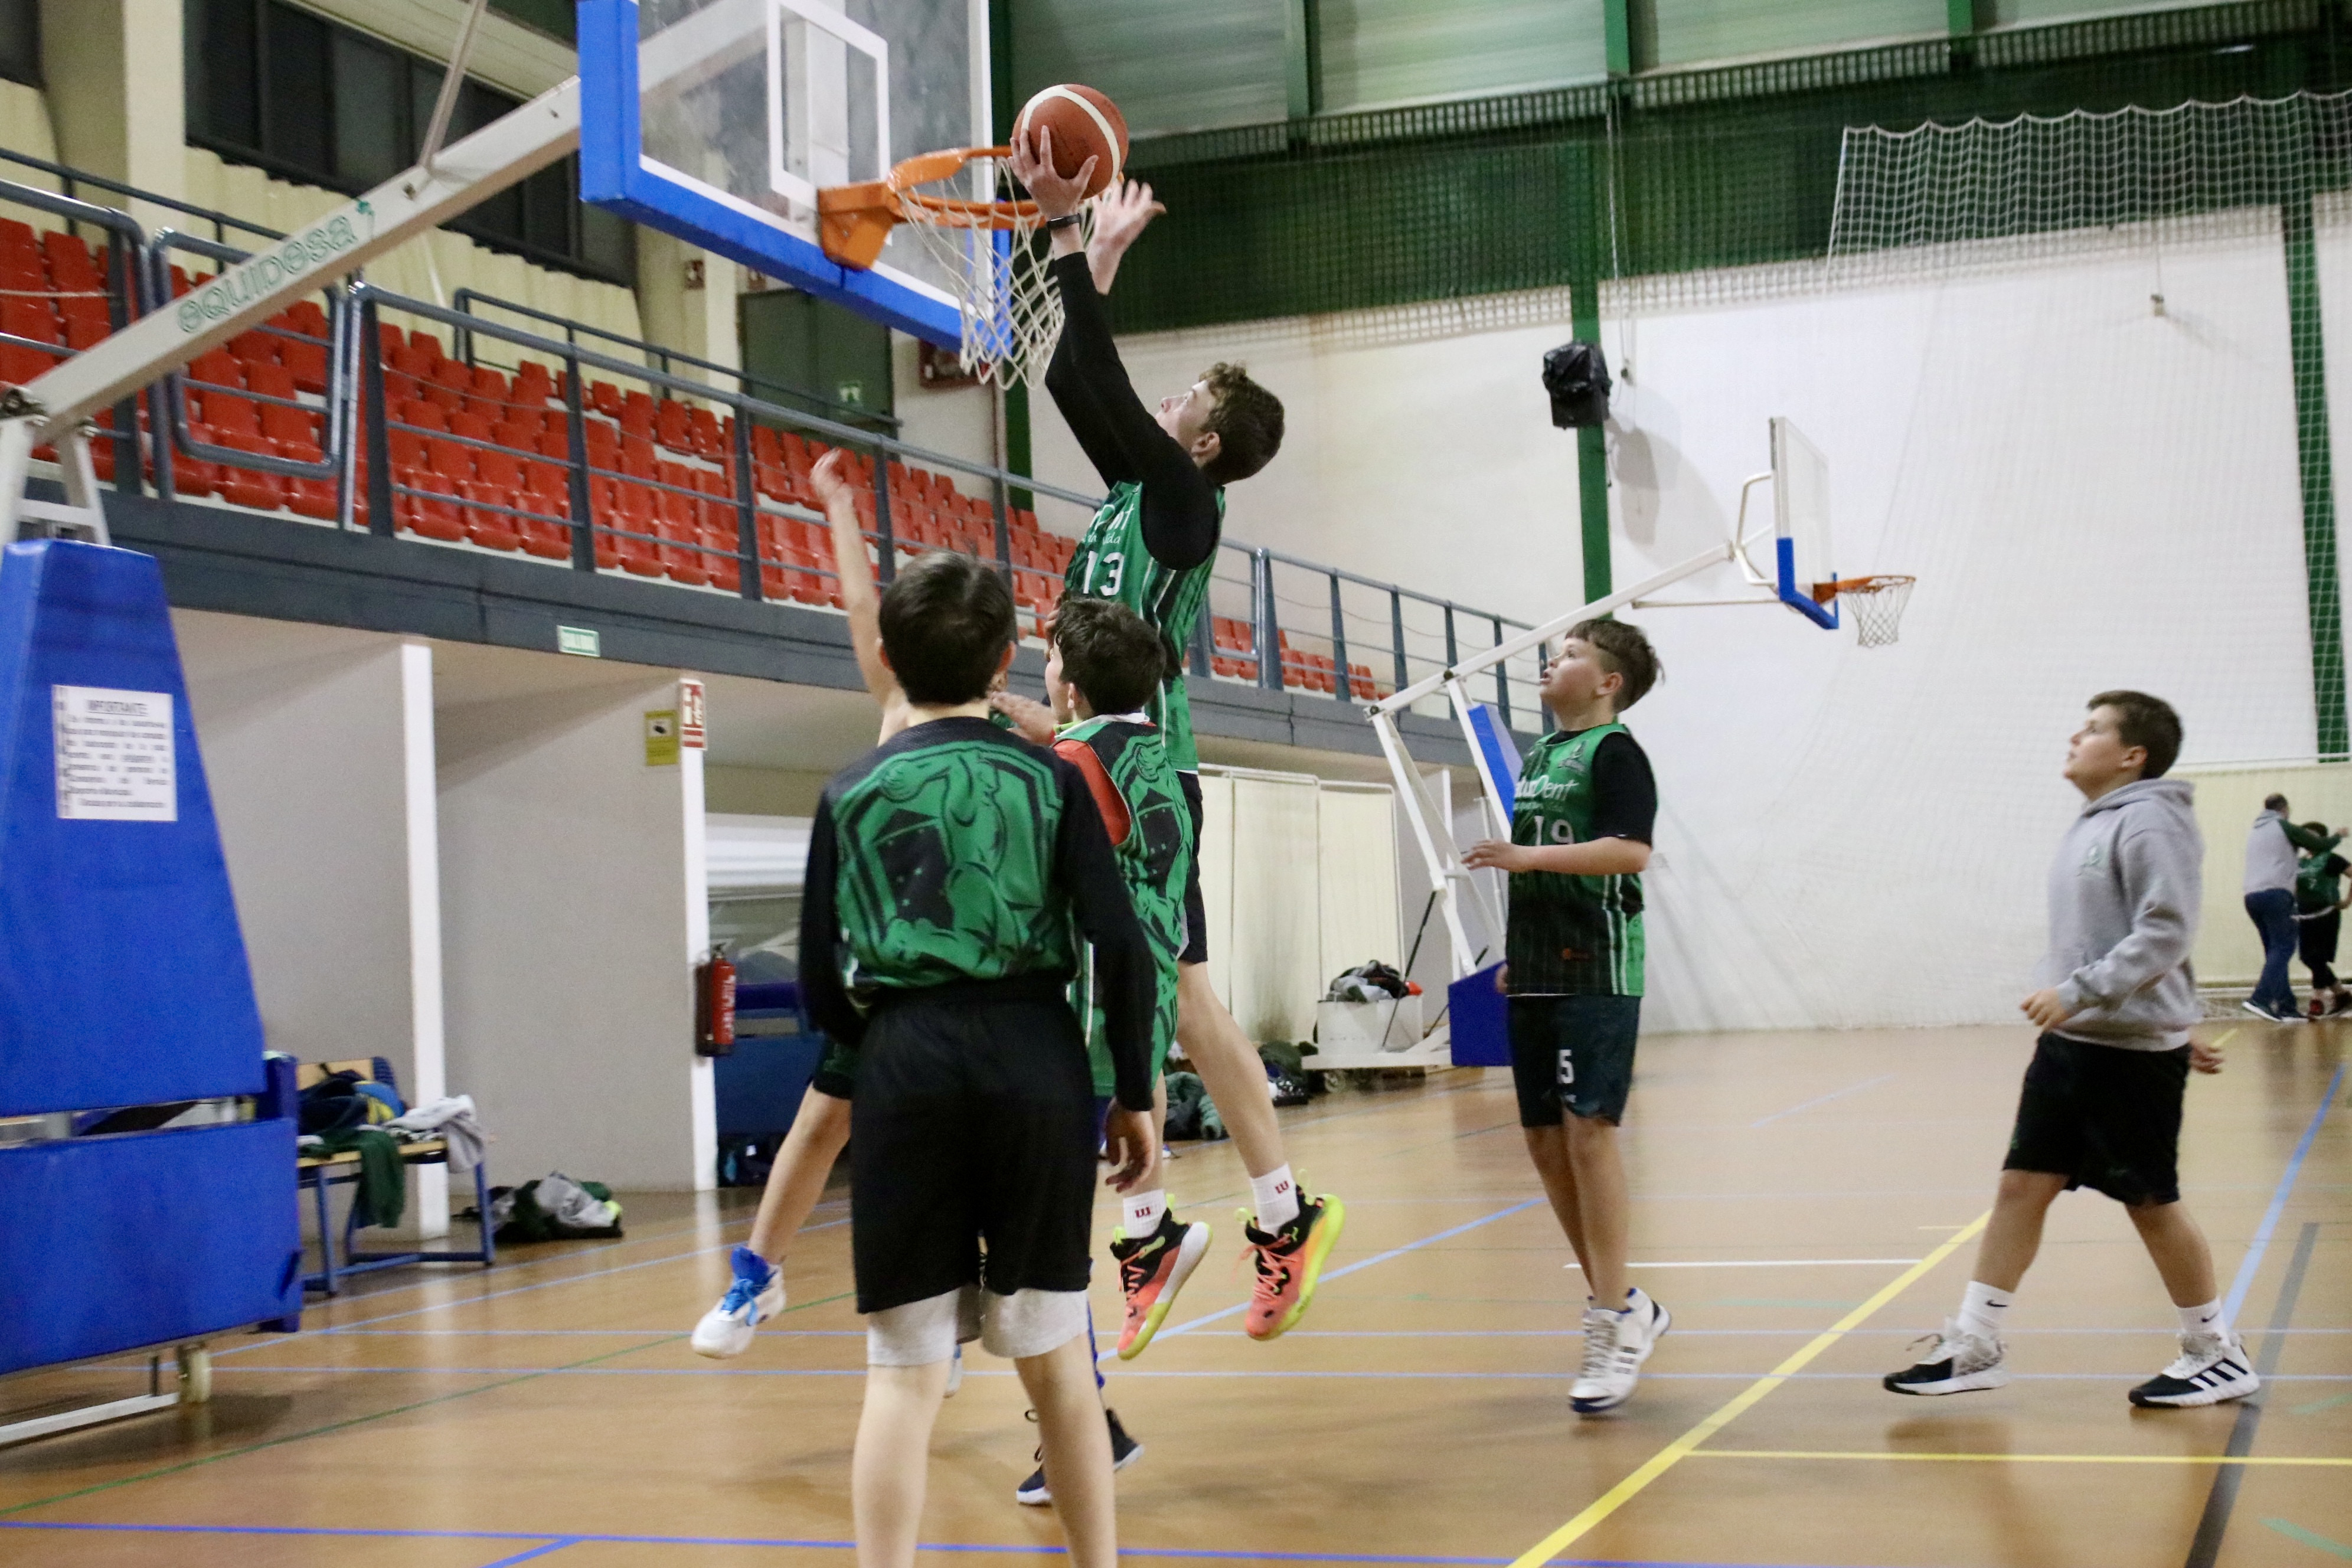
(1150, 1271)
(1289, 1264)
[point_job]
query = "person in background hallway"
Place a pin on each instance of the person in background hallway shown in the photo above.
(2270, 846)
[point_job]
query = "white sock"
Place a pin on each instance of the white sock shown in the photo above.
(1143, 1212)
(1983, 1310)
(2205, 1319)
(1276, 1196)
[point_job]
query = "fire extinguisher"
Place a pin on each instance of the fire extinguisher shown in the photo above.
(714, 1004)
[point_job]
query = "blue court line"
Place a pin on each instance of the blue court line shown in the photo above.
(1006, 1549)
(1824, 1099)
(2260, 1244)
(534, 1551)
(1377, 1258)
(1340, 1372)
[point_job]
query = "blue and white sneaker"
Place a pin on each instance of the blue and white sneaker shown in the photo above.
(955, 1374)
(757, 1295)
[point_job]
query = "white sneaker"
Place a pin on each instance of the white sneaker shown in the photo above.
(1651, 1320)
(2210, 1369)
(1962, 1361)
(1613, 1353)
(955, 1374)
(757, 1295)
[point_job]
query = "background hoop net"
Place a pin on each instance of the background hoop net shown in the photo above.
(994, 254)
(1876, 605)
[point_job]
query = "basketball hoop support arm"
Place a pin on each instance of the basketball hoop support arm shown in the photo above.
(52, 406)
(1433, 837)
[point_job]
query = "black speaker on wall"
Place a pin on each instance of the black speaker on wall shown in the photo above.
(1577, 377)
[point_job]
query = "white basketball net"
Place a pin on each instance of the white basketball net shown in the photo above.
(996, 262)
(1876, 605)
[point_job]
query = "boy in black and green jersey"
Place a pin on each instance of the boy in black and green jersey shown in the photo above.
(951, 873)
(1151, 547)
(1581, 828)
(2319, 904)
(1102, 662)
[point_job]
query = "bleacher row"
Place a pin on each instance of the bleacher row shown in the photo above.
(481, 456)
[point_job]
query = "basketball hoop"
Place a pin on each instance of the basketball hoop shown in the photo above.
(1012, 315)
(1878, 606)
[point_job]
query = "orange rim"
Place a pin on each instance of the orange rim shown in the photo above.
(1825, 591)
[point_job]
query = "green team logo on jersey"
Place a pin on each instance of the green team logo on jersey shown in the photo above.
(1112, 562)
(1568, 935)
(947, 866)
(1154, 861)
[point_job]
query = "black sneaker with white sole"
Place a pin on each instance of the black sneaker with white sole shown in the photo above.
(2210, 1371)
(1960, 1362)
(1124, 1451)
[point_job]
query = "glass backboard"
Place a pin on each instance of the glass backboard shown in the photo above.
(1801, 506)
(718, 121)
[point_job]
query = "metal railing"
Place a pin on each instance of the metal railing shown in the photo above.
(1274, 620)
(668, 359)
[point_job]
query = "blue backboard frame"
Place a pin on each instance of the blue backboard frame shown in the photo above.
(614, 176)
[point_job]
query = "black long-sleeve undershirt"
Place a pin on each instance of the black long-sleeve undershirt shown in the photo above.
(1088, 869)
(1119, 435)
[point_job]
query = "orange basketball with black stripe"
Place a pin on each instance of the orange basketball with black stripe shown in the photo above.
(1085, 124)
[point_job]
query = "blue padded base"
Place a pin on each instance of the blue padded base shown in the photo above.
(113, 1243)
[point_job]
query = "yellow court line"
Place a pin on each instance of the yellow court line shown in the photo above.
(1681, 1448)
(2020, 1458)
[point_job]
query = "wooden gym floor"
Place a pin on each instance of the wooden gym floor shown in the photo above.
(1805, 1202)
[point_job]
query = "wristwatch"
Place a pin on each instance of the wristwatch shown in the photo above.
(1065, 221)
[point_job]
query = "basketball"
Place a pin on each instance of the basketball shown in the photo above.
(1085, 125)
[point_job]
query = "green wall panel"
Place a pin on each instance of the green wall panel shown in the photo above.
(2012, 13)
(1685, 31)
(1168, 68)
(1376, 52)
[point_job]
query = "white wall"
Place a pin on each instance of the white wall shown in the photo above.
(1417, 448)
(2091, 493)
(572, 886)
(318, 743)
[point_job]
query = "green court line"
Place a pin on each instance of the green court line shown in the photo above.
(2318, 1406)
(348, 1422)
(2294, 1532)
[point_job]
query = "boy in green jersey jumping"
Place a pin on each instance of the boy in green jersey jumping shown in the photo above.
(951, 873)
(1152, 547)
(1581, 829)
(1102, 664)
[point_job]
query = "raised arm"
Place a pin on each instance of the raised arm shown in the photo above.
(830, 479)
(2310, 843)
(1090, 383)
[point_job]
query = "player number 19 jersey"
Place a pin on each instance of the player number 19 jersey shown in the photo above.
(1570, 935)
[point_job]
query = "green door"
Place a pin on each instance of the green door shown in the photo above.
(807, 353)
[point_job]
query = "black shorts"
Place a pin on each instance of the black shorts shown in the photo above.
(2317, 935)
(1573, 1053)
(973, 1124)
(1196, 908)
(2104, 1118)
(836, 1071)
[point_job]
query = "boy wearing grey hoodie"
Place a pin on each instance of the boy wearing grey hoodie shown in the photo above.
(2101, 1105)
